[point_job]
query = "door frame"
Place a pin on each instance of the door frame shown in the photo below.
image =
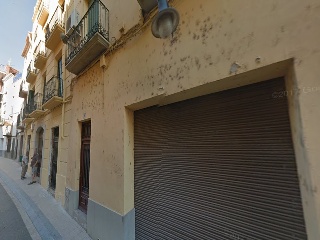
(85, 140)
(51, 155)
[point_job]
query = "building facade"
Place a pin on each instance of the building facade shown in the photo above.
(209, 134)
(10, 108)
(44, 118)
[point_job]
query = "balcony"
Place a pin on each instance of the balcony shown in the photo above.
(89, 39)
(54, 29)
(23, 93)
(42, 12)
(1, 122)
(40, 56)
(7, 133)
(26, 119)
(36, 109)
(31, 74)
(19, 123)
(53, 93)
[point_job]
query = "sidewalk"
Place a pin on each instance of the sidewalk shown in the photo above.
(43, 216)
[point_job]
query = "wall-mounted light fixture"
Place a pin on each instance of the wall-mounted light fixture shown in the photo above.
(166, 21)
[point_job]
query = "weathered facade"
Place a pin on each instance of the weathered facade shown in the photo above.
(122, 163)
(44, 109)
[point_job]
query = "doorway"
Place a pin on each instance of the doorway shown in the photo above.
(54, 158)
(39, 146)
(28, 146)
(84, 166)
(21, 147)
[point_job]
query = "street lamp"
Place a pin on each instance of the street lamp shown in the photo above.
(166, 21)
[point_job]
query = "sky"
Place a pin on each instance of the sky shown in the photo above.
(15, 23)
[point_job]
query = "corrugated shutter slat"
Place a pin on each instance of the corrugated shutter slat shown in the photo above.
(221, 166)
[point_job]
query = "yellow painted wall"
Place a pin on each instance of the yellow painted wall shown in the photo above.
(49, 121)
(211, 37)
(57, 117)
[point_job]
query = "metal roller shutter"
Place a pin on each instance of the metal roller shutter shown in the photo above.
(221, 166)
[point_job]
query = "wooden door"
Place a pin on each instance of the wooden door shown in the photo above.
(84, 166)
(54, 157)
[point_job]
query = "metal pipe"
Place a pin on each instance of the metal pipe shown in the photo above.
(162, 4)
(63, 103)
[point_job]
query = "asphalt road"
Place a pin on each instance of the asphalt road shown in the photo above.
(12, 226)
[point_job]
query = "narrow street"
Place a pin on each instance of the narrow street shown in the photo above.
(29, 211)
(11, 223)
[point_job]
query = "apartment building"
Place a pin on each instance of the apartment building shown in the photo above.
(45, 107)
(23, 94)
(10, 80)
(211, 133)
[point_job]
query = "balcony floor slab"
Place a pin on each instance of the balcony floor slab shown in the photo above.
(89, 52)
(52, 103)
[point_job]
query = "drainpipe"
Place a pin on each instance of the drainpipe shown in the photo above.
(63, 104)
(62, 117)
(162, 5)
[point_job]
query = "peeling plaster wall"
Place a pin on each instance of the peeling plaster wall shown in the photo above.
(214, 41)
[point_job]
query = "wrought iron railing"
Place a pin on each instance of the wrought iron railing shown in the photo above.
(57, 18)
(36, 102)
(18, 120)
(43, 4)
(21, 87)
(26, 110)
(1, 121)
(53, 88)
(31, 69)
(22, 93)
(40, 50)
(96, 20)
(7, 132)
(36, 34)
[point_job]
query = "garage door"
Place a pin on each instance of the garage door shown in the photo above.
(221, 166)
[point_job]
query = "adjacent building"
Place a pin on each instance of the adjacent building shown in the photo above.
(45, 104)
(10, 80)
(209, 134)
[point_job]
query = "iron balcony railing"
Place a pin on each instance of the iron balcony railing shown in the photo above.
(36, 102)
(22, 113)
(53, 88)
(96, 20)
(31, 69)
(40, 50)
(23, 93)
(57, 18)
(19, 120)
(36, 35)
(1, 121)
(26, 110)
(42, 5)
